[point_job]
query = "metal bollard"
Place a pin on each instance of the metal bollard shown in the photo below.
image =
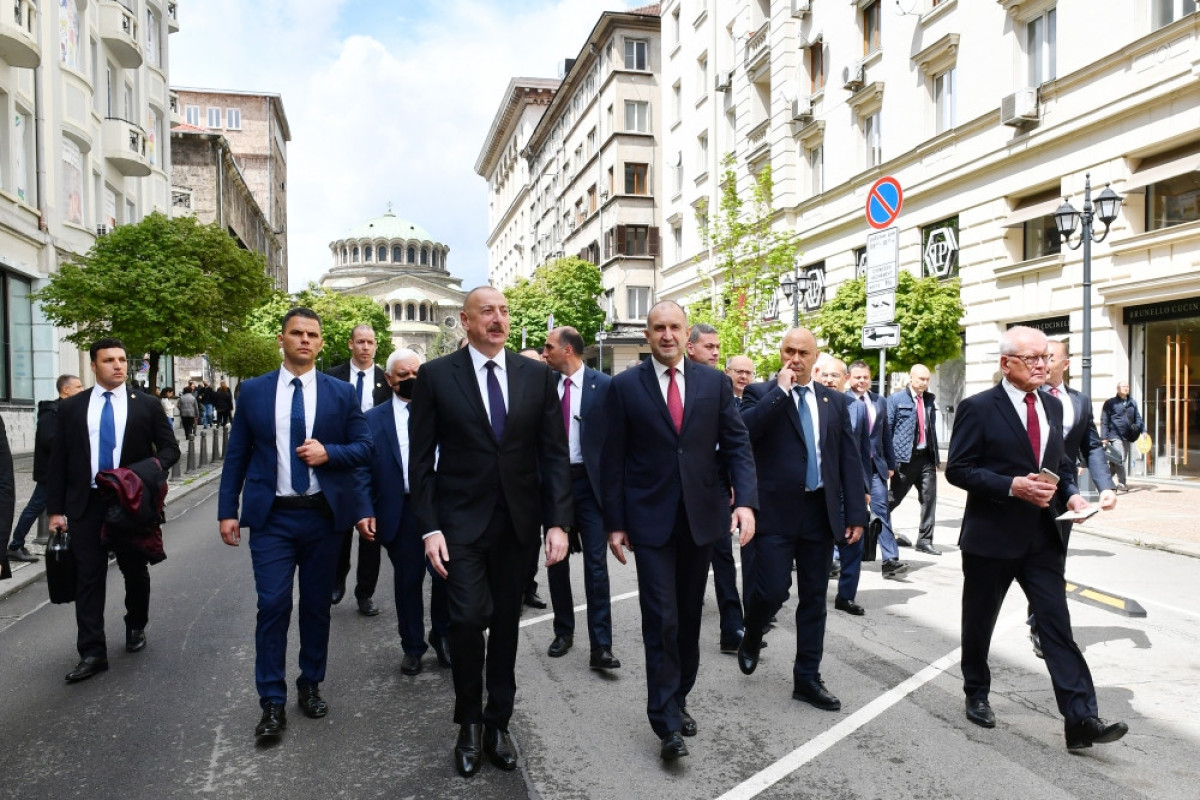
(43, 529)
(175, 470)
(216, 451)
(224, 438)
(191, 458)
(203, 447)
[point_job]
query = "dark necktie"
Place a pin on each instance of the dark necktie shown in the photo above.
(920, 419)
(867, 409)
(299, 468)
(1031, 425)
(495, 401)
(108, 433)
(674, 402)
(359, 386)
(812, 476)
(566, 407)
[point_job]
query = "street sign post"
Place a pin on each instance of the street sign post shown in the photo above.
(883, 260)
(875, 337)
(881, 308)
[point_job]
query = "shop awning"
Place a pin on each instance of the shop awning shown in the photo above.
(1139, 180)
(1023, 214)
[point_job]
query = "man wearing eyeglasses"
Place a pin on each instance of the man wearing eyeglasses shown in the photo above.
(1007, 451)
(740, 370)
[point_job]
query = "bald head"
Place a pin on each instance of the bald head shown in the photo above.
(918, 378)
(833, 374)
(798, 352)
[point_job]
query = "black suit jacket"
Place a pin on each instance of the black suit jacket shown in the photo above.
(593, 427)
(988, 448)
(380, 391)
(1083, 443)
(529, 467)
(148, 434)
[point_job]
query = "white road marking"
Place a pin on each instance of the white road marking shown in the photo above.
(616, 598)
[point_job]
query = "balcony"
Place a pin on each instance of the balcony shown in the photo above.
(757, 144)
(18, 36)
(119, 30)
(172, 17)
(125, 147)
(758, 49)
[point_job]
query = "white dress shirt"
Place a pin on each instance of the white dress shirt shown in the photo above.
(865, 399)
(478, 362)
(810, 400)
(1064, 397)
(366, 400)
(574, 443)
(283, 428)
(400, 409)
(664, 380)
(120, 404)
(1018, 400)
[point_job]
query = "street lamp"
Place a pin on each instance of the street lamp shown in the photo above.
(601, 335)
(1066, 218)
(795, 284)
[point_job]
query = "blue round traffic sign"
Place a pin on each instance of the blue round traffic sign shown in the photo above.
(883, 202)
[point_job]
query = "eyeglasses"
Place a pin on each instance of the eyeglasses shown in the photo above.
(1030, 361)
(743, 372)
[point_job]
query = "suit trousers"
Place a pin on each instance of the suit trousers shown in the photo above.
(879, 507)
(1040, 575)
(367, 573)
(91, 578)
(810, 545)
(850, 556)
(595, 573)
(407, 554)
(922, 473)
(292, 539)
(487, 579)
(729, 603)
(671, 585)
(29, 515)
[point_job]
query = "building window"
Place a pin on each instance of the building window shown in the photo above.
(412, 312)
(860, 262)
(873, 140)
(68, 35)
(635, 179)
(354, 254)
(816, 65)
(72, 183)
(637, 240)
(637, 116)
(1040, 238)
(944, 91)
(191, 115)
(412, 255)
(422, 312)
(637, 299)
(635, 54)
(816, 169)
(872, 19)
(591, 143)
(1164, 12)
(214, 117)
(677, 240)
(591, 199)
(702, 73)
(702, 153)
(677, 100)
(345, 256)
(675, 39)
(368, 252)
(424, 257)
(1040, 48)
(16, 325)
(397, 254)
(233, 119)
(1173, 201)
(677, 173)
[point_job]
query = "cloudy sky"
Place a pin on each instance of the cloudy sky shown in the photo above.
(388, 100)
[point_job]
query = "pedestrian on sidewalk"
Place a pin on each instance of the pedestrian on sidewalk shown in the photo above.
(1121, 424)
(169, 401)
(43, 443)
(223, 402)
(189, 409)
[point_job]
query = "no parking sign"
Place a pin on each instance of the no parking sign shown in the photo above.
(883, 202)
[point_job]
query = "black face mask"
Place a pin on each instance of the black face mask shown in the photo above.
(404, 388)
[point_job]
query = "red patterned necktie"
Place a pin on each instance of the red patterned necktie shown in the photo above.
(674, 402)
(1032, 427)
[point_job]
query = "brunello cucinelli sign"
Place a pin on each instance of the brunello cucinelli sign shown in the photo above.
(1157, 312)
(1051, 326)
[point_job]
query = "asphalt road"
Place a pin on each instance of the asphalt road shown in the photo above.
(177, 719)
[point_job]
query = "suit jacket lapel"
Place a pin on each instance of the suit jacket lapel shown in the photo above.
(650, 384)
(393, 441)
(690, 378)
(824, 411)
(513, 364)
(464, 373)
(1005, 408)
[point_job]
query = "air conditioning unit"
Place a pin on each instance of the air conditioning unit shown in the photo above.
(724, 81)
(853, 77)
(1020, 108)
(802, 109)
(800, 8)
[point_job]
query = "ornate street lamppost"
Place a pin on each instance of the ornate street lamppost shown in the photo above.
(795, 284)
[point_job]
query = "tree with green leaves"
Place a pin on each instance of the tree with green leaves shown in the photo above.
(245, 354)
(340, 314)
(567, 289)
(749, 255)
(161, 286)
(928, 311)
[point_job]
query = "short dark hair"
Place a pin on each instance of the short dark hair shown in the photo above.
(298, 311)
(106, 343)
(63, 380)
(698, 330)
(860, 364)
(570, 337)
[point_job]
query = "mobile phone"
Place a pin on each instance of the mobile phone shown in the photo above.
(1049, 475)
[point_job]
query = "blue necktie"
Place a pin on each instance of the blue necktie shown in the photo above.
(495, 401)
(299, 468)
(812, 477)
(359, 386)
(108, 433)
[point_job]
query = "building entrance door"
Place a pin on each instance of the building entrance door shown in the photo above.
(1172, 392)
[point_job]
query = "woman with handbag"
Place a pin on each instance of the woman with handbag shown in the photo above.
(1120, 425)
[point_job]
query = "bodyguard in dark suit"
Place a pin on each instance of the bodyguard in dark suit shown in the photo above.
(109, 426)
(489, 469)
(371, 388)
(582, 392)
(1009, 531)
(665, 496)
(295, 445)
(811, 494)
(912, 418)
(882, 464)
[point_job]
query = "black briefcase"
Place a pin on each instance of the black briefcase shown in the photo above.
(871, 539)
(60, 568)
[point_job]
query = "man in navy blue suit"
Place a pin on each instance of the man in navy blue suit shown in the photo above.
(582, 391)
(390, 519)
(665, 496)
(1005, 440)
(811, 491)
(883, 464)
(297, 440)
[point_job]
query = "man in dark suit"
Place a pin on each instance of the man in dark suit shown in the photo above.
(371, 387)
(489, 469)
(390, 519)
(583, 392)
(665, 496)
(1005, 440)
(110, 426)
(882, 467)
(811, 495)
(912, 418)
(295, 445)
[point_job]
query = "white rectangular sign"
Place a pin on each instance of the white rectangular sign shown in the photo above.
(876, 337)
(881, 307)
(883, 260)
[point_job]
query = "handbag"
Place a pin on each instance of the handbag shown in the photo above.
(1113, 454)
(60, 568)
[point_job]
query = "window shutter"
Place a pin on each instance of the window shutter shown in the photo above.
(621, 240)
(652, 241)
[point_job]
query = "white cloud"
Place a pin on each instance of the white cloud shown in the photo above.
(394, 114)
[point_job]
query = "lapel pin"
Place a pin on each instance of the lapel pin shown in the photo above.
(824, 399)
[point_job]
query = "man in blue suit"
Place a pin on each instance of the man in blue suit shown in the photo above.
(665, 496)
(912, 418)
(810, 479)
(297, 440)
(883, 464)
(582, 391)
(391, 521)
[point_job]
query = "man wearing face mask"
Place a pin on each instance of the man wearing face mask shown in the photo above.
(390, 520)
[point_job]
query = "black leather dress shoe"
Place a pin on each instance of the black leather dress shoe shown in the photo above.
(893, 567)
(687, 725)
(410, 664)
(442, 648)
(135, 640)
(730, 644)
(928, 549)
(21, 554)
(1036, 640)
(560, 646)
(468, 750)
(339, 591)
(602, 658)
(1093, 730)
(273, 722)
(311, 702)
(747, 653)
(849, 606)
(367, 607)
(499, 748)
(814, 693)
(902, 540)
(980, 712)
(534, 600)
(673, 747)
(92, 665)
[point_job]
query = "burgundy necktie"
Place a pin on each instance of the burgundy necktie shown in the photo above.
(566, 406)
(674, 403)
(1031, 426)
(1054, 391)
(920, 420)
